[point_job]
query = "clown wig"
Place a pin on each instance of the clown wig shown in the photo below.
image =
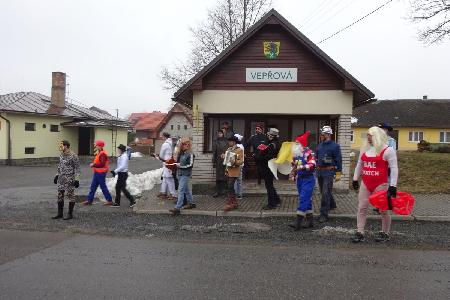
(379, 140)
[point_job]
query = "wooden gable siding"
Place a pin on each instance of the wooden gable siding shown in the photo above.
(313, 74)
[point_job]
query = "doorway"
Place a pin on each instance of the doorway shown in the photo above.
(85, 137)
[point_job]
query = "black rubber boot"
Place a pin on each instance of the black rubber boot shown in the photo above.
(60, 211)
(308, 222)
(299, 222)
(70, 214)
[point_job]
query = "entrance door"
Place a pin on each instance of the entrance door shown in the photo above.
(84, 140)
(394, 134)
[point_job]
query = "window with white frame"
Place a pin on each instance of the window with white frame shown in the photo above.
(415, 136)
(444, 137)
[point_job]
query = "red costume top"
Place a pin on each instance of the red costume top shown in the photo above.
(374, 171)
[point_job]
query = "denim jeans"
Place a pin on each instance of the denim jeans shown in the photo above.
(183, 189)
(326, 189)
(99, 179)
(238, 185)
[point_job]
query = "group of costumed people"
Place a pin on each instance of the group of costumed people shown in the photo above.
(68, 177)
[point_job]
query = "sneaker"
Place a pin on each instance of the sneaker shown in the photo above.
(162, 196)
(115, 205)
(174, 212)
(190, 206)
(323, 219)
(172, 198)
(108, 203)
(268, 207)
(87, 202)
(132, 204)
(382, 237)
(358, 238)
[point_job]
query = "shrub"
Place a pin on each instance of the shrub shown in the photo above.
(440, 148)
(423, 146)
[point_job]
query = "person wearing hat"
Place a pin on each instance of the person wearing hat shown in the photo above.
(252, 145)
(303, 165)
(388, 129)
(329, 169)
(100, 167)
(267, 151)
(67, 178)
(220, 145)
(238, 182)
(233, 159)
(122, 174)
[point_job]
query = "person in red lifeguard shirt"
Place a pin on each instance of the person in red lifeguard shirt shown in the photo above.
(374, 161)
(100, 166)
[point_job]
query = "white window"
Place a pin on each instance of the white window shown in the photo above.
(444, 137)
(352, 136)
(415, 136)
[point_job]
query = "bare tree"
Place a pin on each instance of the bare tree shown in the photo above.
(225, 22)
(435, 15)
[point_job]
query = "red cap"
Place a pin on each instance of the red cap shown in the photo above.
(100, 143)
(303, 139)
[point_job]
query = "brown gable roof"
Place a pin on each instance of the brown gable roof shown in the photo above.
(150, 121)
(430, 113)
(362, 95)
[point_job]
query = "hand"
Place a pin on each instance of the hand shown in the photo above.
(55, 180)
(178, 165)
(355, 185)
(222, 156)
(91, 165)
(113, 173)
(392, 192)
(338, 176)
(76, 184)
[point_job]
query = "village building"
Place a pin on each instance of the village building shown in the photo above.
(276, 76)
(32, 126)
(145, 126)
(413, 120)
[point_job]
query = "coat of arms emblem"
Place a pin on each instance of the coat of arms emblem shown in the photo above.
(271, 49)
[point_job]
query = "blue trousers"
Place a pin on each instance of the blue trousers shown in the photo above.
(305, 187)
(183, 189)
(99, 180)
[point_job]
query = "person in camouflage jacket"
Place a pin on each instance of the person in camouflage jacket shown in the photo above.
(67, 179)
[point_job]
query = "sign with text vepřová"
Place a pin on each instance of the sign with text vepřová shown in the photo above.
(271, 74)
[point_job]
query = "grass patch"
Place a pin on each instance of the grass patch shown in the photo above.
(420, 173)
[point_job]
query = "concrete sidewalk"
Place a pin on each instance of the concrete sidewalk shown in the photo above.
(434, 207)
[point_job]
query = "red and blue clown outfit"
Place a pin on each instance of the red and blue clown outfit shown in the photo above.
(303, 166)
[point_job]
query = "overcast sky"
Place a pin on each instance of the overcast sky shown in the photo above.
(113, 50)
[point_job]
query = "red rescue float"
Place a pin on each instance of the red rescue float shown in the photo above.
(403, 204)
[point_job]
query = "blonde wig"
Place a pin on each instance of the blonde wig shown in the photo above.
(187, 141)
(379, 140)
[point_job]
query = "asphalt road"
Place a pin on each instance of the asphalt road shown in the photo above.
(97, 267)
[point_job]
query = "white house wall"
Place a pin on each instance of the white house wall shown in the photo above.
(105, 135)
(175, 121)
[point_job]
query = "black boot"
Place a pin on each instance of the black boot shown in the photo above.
(70, 214)
(299, 222)
(60, 211)
(308, 222)
(218, 187)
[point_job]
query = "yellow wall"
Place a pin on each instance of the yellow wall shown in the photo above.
(105, 135)
(429, 134)
(46, 143)
(274, 102)
(3, 139)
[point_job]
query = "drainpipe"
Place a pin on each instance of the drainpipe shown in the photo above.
(9, 139)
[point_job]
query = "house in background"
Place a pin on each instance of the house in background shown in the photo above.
(274, 75)
(177, 122)
(146, 126)
(32, 125)
(413, 120)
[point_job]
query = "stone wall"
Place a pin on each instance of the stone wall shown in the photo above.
(203, 172)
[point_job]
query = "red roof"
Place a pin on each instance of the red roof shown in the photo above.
(135, 117)
(150, 121)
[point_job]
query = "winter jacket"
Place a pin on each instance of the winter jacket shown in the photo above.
(269, 152)
(235, 170)
(186, 161)
(328, 155)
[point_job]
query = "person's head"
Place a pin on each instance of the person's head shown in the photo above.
(273, 133)
(185, 144)
(239, 138)
(166, 135)
(232, 141)
(121, 149)
(377, 138)
(259, 128)
(220, 133)
(64, 146)
(386, 127)
(99, 145)
(225, 125)
(326, 132)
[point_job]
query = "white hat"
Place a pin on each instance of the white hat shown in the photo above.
(239, 137)
(273, 132)
(326, 129)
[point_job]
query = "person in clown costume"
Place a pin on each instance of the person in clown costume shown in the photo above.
(374, 161)
(303, 165)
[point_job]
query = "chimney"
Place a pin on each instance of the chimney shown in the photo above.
(425, 97)
(59, 89)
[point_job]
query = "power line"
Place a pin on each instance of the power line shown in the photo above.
(332, 16)
(312, 14)
(324, 13)
(357, 21)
